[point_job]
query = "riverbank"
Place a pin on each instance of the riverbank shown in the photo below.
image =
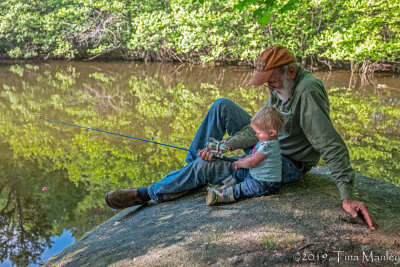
(370, 68)
(303, 223)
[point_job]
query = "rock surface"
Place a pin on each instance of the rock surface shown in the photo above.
(302, 224)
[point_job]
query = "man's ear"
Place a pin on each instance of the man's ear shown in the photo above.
(273, 132)
(292, 72)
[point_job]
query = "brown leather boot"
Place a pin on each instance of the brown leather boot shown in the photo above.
(123, 198)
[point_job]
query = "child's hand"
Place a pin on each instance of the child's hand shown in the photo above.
(237, 165)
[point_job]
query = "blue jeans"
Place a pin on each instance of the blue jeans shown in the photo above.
(223, 116)
(248, 187)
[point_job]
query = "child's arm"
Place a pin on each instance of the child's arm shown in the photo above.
(250, 162)
(249, 156)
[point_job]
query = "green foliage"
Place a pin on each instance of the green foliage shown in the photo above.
(59, 28)
(265, 9)
(318, 31)
(365, 29)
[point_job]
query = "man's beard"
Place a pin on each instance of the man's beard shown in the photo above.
(285, 92)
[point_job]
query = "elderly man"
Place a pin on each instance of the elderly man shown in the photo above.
(307, 135)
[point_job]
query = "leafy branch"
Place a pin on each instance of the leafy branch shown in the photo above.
(265, 9)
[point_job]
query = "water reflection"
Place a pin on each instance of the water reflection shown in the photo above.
(161, 101)
(27, 213)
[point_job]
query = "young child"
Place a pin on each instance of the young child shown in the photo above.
(260, 173)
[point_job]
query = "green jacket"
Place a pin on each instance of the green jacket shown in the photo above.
(308, 132)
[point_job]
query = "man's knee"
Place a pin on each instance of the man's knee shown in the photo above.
(221, 103)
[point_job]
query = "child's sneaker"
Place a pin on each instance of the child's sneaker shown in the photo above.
(212, 198)
(213, 187)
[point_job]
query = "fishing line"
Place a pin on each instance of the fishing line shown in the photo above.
(140, 139)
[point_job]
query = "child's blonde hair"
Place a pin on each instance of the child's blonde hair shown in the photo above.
(268, 118)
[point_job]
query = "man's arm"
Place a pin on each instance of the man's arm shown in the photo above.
(245, 138)
(317, 126)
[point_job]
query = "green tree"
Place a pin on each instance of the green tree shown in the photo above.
(360, 32)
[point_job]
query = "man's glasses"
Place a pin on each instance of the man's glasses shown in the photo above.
(272, 87)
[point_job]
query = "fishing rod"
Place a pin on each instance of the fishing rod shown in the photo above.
(140, 139)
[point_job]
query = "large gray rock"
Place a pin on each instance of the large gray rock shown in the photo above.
(302, 223)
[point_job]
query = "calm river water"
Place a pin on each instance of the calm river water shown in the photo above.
(53, 177)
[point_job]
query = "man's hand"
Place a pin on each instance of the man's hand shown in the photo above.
(355, 208)
(205, 154)
(218, 147)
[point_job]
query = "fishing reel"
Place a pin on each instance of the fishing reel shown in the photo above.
(217, 147)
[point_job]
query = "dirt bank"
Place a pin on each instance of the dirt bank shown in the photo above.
(303, 223)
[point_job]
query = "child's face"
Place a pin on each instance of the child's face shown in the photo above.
(264, 135)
